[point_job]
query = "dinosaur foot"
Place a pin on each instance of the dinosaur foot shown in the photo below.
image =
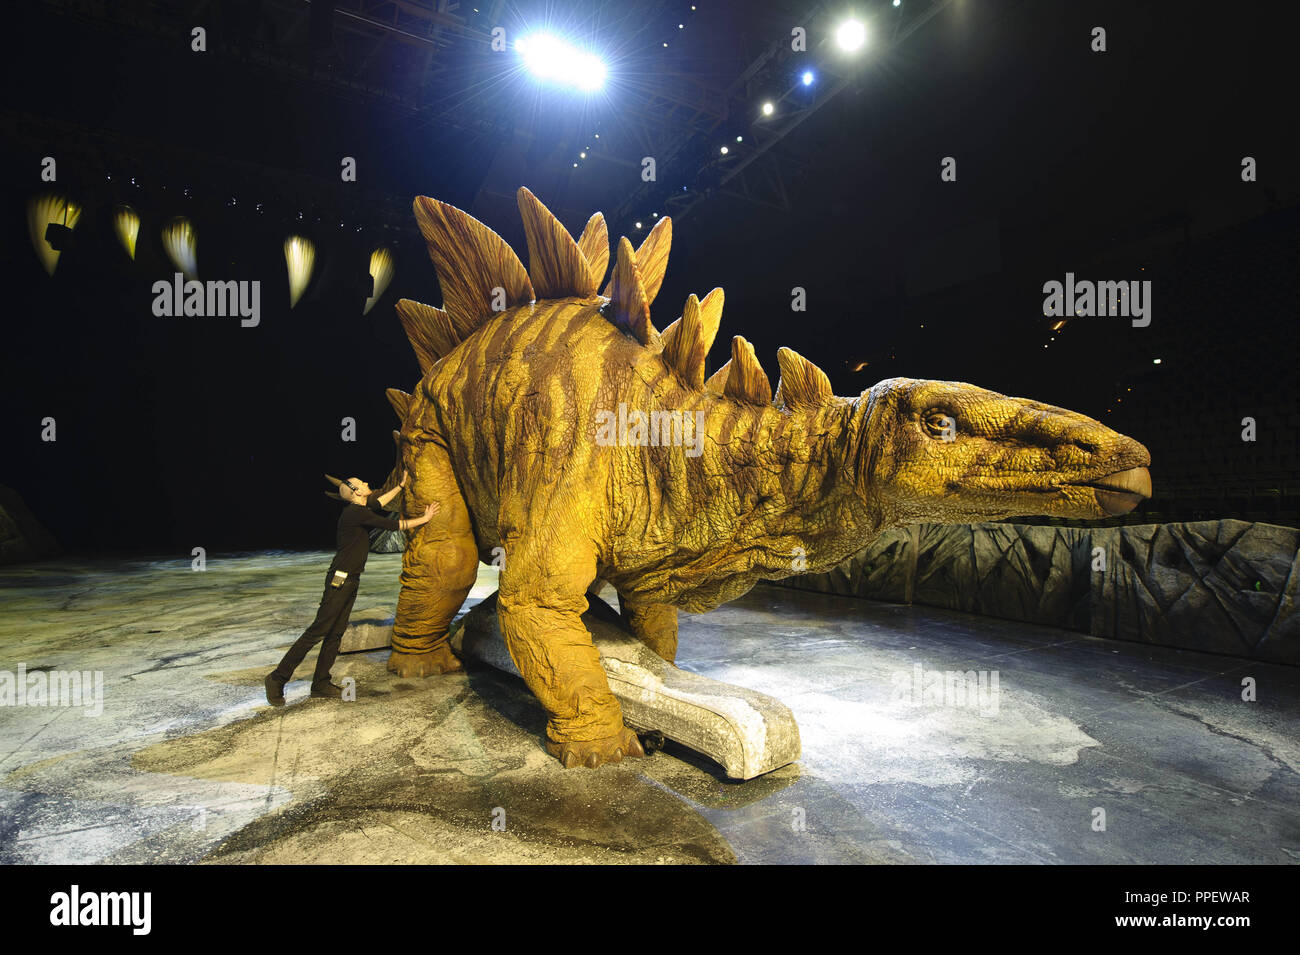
(593, 752)
(432, 663)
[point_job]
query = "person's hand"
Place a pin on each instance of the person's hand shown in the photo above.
(433, 508)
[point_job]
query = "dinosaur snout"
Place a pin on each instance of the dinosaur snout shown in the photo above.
(1120, 492)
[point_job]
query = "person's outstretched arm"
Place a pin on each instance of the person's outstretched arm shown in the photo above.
(383, 499)
(372, 519)
(407, 523)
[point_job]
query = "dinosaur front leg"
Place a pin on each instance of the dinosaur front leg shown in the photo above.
(655, 625)
(439, 567)
(540, 604)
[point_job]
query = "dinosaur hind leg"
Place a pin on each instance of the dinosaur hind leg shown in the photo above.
(653, 624)
(438, 568)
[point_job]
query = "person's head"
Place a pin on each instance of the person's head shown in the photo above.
(354, 490)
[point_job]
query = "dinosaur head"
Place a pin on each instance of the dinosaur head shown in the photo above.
(949, 452)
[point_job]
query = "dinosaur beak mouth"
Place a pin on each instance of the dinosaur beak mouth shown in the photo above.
(1120, 492)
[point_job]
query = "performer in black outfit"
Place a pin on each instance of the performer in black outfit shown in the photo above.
(341, 583)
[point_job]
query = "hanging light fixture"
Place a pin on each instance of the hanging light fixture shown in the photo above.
(381, 271)
(299, 257)
(126, 223)
(51, 216)
(182, 245)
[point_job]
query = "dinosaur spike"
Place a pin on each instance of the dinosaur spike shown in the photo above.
(400, 401)
(802, 384)
(711, 317)
(429, 331)
(717, 383)
(472, 263)
(631, 308)
(651, 259)
(747, 381)
(594, 246)
(685, 350)
(669, 333)
(556, 264)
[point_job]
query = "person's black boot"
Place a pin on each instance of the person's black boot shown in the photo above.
(274, 690)
(326, 691)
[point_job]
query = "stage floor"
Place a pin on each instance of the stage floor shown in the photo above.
(1091, 751)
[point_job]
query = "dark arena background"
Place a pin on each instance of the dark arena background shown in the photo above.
(890, 189)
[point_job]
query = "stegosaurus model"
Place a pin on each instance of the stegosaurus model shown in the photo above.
(528, 426)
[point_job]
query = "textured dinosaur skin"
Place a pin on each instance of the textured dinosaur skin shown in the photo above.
(521, 372)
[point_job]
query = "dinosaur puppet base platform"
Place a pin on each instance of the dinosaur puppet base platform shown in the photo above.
(746, 732)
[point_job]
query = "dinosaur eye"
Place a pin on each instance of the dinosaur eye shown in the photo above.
(940, 425)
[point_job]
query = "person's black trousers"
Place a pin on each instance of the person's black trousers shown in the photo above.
(331, 620)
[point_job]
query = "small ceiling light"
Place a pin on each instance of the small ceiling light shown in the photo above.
(740, 139)
(582, 155)
(807, 77)
(1155, 361)
(724, 150)
(768, 108)
(638, 225)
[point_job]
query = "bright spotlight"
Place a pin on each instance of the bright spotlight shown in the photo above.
(550, 58)
(767, 109)
(582, 155)
(638, 225)
(851, 34)
(724, 150)
(807, 77)
(740, 139)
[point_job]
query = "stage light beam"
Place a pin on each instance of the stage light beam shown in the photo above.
(381, 272)
(299, 258)
(182, 246)
(43, 212)
(126, 223)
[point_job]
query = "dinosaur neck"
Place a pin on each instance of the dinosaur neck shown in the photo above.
(777, 486)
